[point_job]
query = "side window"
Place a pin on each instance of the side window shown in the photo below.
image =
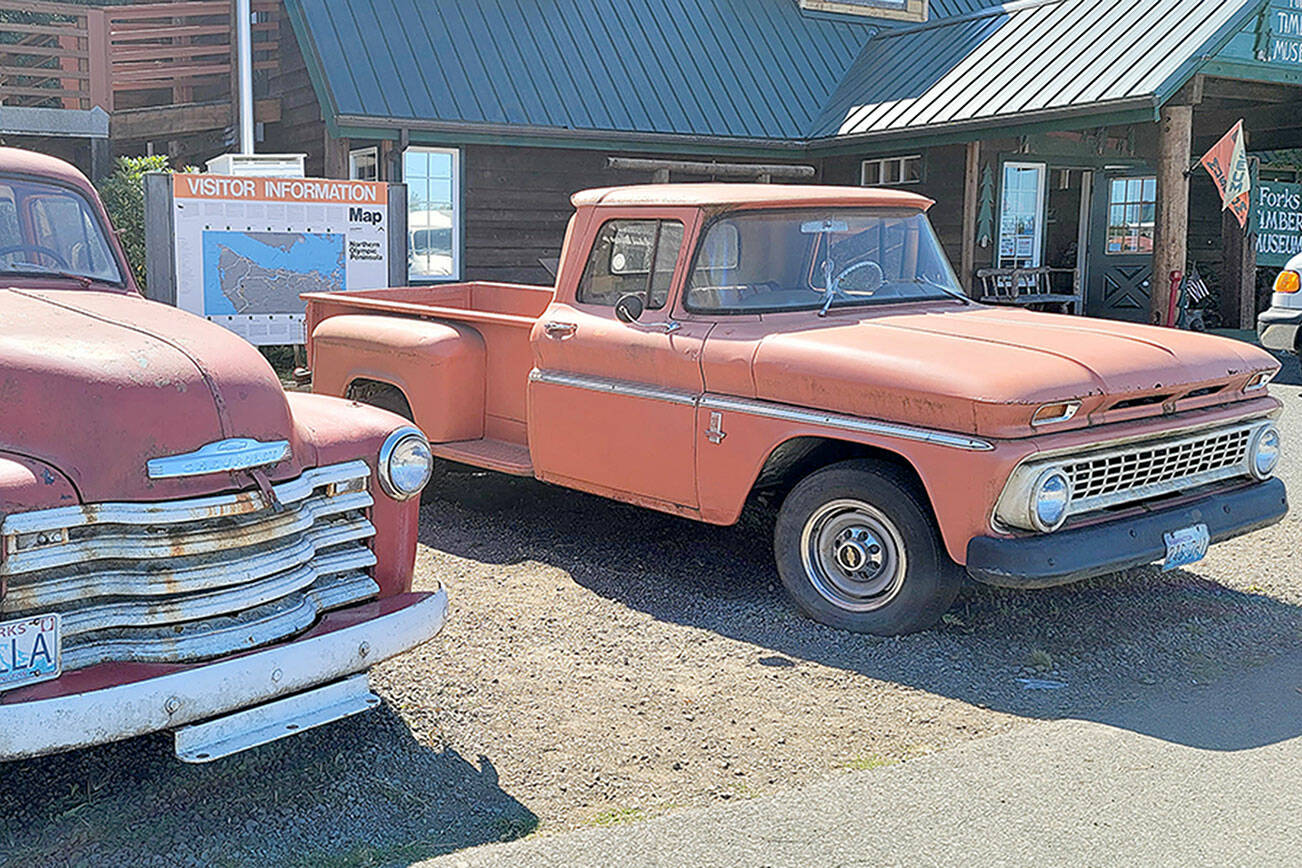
(632, 256)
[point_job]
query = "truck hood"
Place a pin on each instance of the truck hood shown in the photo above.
(985, 370)
(95, 384)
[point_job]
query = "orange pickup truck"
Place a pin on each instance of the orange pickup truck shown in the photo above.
(709, 344)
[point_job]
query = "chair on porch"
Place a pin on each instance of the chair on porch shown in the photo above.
(1027, 287)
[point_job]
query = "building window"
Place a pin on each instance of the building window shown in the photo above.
(1132, 215)
(364, 164)
(900, 10)
(433, 179)
(1021, 215)
(889, 171)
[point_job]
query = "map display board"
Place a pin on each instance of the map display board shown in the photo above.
(246, 248)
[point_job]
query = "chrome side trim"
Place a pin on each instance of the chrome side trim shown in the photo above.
(44, 726)
(221, 635)
(766, 409)
(612, 387)
(848, 423)
(175, 511)
(237, 453)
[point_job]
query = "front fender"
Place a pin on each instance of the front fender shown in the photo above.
(27, 484)
(962, 482)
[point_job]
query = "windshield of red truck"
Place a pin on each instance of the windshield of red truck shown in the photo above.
(50, 230)
(757, 261)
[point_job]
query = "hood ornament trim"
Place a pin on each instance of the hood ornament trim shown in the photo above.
(237, 453)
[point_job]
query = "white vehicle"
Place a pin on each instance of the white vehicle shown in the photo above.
(1279, 325)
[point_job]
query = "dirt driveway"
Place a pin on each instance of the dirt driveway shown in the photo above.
(605, 663)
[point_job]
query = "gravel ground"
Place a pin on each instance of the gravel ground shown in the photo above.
(604, 664)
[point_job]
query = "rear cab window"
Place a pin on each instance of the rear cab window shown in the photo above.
(632, 257)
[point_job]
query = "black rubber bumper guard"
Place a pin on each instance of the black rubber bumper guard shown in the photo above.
(1045, 560)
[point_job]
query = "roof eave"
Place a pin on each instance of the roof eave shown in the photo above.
(1207, 51)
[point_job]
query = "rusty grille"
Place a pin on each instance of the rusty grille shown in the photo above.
(192, 579)
(1146, 466)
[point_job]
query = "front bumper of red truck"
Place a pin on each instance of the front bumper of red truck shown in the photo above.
(342, 643)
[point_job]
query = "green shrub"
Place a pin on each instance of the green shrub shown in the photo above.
(123, 193)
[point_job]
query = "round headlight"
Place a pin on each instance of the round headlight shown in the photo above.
(1049, 499)
(406, 463)
(1265, 452)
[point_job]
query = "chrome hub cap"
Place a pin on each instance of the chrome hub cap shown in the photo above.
(853, 555)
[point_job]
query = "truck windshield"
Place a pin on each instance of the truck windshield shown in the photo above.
(46, 229)
(758, 261)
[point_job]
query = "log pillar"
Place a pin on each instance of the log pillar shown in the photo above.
(336, 157)
(967, 258)
(1170, 242)
(1238, 302)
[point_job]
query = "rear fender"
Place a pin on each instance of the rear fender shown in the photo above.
(438, 366)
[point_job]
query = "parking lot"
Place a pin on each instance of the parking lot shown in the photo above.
(604, 664)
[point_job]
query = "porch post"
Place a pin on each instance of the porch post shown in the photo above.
(336, 157)
(1170, 242)
(967, 260)
(1239, 275)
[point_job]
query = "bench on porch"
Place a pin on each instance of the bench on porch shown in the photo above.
(1025, 287)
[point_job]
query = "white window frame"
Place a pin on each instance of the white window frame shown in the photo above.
(881, 162)
(355, 153)
(458, 213)
(1041, 209)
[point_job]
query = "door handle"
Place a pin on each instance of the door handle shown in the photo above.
(560, 330)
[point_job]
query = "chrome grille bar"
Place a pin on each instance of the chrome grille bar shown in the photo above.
(189, 579)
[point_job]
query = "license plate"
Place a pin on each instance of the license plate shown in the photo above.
(30, 650)
(1185, 546)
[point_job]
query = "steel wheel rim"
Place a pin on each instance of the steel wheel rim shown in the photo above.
(853, 555)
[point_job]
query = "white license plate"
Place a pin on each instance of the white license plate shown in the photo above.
(30, 650)
(1185, 546)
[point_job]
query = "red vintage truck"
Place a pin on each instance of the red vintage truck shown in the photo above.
(709, 344)
(185, 546)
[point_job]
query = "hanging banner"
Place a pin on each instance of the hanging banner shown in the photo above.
(1227, 163)
(246, 248)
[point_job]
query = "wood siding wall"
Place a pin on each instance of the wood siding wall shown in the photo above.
(517, 204)
(300, 129)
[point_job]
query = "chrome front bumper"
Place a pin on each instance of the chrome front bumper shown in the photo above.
(44, 726)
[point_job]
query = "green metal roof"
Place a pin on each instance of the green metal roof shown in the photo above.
(1028, 60)
(713, 75)
(752, 69)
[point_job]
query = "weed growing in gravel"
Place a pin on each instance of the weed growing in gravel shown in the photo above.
(866, 763)
(1041, 659)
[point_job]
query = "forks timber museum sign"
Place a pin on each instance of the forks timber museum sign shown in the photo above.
(1277, 222)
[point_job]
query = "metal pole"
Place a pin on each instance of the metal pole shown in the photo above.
(244, 37)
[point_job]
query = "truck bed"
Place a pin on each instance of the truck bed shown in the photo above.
(503, 314)
(476, 302)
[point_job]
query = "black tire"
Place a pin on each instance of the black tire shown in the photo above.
(391, 398)
(872, 515)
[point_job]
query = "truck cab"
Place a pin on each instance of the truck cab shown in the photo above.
(185, 546)
(709, 345)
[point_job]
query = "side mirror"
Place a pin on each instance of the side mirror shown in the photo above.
(629, 308)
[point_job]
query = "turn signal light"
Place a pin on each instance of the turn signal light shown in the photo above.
(1288, 281)
(1057, 412)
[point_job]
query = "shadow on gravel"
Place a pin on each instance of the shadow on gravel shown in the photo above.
(1100, 650)
(356, 792)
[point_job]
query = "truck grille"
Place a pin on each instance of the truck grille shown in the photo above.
(192, 579)
(1148, 465)
(1131, 473)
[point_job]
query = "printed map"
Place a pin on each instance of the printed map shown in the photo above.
(265, 272)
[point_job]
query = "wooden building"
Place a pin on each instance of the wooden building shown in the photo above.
(1051, 133)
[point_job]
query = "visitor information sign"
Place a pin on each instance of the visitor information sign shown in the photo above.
(247, 247)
